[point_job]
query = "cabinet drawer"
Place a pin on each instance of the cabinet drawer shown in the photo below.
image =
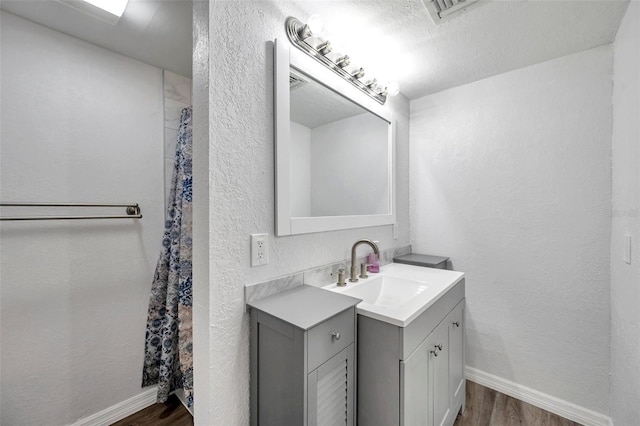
(421, 327)
(322, 344)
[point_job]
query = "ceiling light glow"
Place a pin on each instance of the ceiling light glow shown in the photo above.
(393, 88)
(114, 7)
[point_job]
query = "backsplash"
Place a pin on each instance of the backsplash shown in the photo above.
(317, 277)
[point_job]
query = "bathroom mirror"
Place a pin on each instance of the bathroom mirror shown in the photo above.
(334, 150)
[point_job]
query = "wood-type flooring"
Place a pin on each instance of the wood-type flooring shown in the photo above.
(485, 407)
(171, 413)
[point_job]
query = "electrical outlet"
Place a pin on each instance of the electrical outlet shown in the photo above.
(259, 249)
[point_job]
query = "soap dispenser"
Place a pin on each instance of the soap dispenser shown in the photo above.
(374, 263)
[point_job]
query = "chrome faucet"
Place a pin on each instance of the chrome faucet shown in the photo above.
(354, 268)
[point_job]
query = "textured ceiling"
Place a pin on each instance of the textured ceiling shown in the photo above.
(397, 40)
(392, 39)
(157, 32)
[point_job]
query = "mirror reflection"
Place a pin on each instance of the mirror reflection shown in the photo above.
(339, 153)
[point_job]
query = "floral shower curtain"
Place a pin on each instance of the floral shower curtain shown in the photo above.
(168, 359)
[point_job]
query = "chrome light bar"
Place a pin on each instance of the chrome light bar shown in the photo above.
(319, 49)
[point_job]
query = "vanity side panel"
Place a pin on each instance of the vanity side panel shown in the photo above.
(281, 373)
(421, 327)
(253, 371)
(378, 373)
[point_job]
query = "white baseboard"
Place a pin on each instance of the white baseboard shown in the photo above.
(180, 394)
(550, 403)
(121, 410)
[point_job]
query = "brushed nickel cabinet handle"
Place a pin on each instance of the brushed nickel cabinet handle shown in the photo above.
(457, 324)
(335, 335)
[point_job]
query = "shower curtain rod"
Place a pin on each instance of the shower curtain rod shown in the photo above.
(132, 210)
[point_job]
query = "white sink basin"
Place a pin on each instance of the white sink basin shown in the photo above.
(399, 293)
(388, 292)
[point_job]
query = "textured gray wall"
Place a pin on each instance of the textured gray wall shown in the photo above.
(625, 216)
(79, 123)
(511, 178)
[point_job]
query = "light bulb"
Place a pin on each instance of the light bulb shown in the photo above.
(316, 25)
(393, 88)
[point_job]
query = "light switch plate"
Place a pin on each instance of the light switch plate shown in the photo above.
(259, 249)
(627, 249)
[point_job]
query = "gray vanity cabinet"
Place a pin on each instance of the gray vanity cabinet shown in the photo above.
(455, 322)
(425, 377)
(414, 376)
(331, 391)
(439, 359)
(428, 388)
(303, 358)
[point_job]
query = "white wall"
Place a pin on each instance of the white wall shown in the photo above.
(241, 190)
(511, 178)
(300, 149)
(343, 181)
(79, 123)
(203, 354)
(625, 278)
(177, 95)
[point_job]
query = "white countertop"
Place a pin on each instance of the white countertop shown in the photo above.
(399, 293)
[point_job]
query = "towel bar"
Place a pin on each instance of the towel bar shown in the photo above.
(132, 211)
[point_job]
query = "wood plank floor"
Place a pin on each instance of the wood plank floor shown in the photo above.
(172, 413)
(485, 407)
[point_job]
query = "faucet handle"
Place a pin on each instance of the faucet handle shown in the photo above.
(363, 270)
(341, 281)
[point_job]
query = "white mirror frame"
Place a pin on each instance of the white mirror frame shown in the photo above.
(284, 58)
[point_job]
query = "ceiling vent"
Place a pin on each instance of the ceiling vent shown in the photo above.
(442, 10)
(295, 80)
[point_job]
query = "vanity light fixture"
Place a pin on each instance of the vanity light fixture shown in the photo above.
(308, 38)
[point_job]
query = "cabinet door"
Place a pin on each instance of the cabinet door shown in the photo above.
(330, 391)
(425, 381)
(456, 355)
(439, 360)
(415, 390)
